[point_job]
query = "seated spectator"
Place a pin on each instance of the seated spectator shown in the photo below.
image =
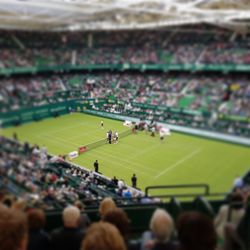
(238, 182)
(69, 236)
(161, 228)
(13, 229)
(106, 205)
(234, 239)
(84, 219)
(229, 214)
(38, 238)
(196, 232)
(103, 236)
(118, 218)
(19, 204)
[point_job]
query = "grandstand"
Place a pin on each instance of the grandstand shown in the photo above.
(183, 65)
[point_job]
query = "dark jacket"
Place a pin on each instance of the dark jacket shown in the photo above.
(38, 240)
(67, 238)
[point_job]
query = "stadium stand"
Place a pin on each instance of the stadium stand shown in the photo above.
(160, 75)
(154, 47)
(51, 183)
(215, 102)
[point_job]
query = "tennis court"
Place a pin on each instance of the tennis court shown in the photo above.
(179, 159)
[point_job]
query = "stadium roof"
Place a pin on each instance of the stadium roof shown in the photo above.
(120, 14)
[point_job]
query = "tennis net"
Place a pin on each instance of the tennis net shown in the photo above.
(101, 142)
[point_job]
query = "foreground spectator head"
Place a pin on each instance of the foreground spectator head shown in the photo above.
(71, 217)
(106, 205)
(36, 219)
(20, 204)
(118, 218)
(103, 236)
(79, 205)
(161, 224)
(196, 232)
(13, 229)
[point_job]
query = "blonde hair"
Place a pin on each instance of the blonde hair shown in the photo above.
(106, 205)
(71, 216)
(104, 236)
(161, 224)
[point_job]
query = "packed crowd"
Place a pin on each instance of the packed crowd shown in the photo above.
(148, 96)
(224, 94)
(193, 230)
(51, 183)
(183, 46)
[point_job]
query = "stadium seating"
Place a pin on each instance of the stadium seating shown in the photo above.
(184, 96)
(23, 49)
(223, 105)
(53, 184)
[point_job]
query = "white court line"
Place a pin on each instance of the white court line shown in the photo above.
(118, 159)
(178, 163)
(55, 142)
(68, 142)
(80, 135)
(119, 163)
(142, 152)
(128, 162)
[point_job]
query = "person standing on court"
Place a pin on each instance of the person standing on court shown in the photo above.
(134, 181)
(96, 166)
(162, 134)
(110, 136)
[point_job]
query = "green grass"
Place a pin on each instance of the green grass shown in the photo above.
(180, 159)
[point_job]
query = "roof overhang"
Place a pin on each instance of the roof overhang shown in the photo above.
(73, 15)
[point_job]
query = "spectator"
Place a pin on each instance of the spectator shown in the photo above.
(69, 236)
(38, 238)
(238, 182)
(196, 232)
(114, 181)
(13, 229)
(161, 228)
(84, 219)
(19, 204)
(106, 205)
(103, 236)
(118, 218)
(231, 213)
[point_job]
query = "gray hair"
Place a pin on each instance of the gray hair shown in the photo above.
(161, 224)
(71, 216)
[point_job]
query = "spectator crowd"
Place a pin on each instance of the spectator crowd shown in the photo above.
(193, 45)
(148, 96)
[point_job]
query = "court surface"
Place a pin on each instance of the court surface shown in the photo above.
(179, 159)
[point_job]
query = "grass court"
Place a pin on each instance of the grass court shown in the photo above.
(179, 159)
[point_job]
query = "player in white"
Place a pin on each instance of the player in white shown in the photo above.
(146, 127)
(116, 137)
(107, 137)
(102, 124)
(153, 131)
(162, 134)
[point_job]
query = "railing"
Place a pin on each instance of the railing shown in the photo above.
(205, 191)
(128, 66)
